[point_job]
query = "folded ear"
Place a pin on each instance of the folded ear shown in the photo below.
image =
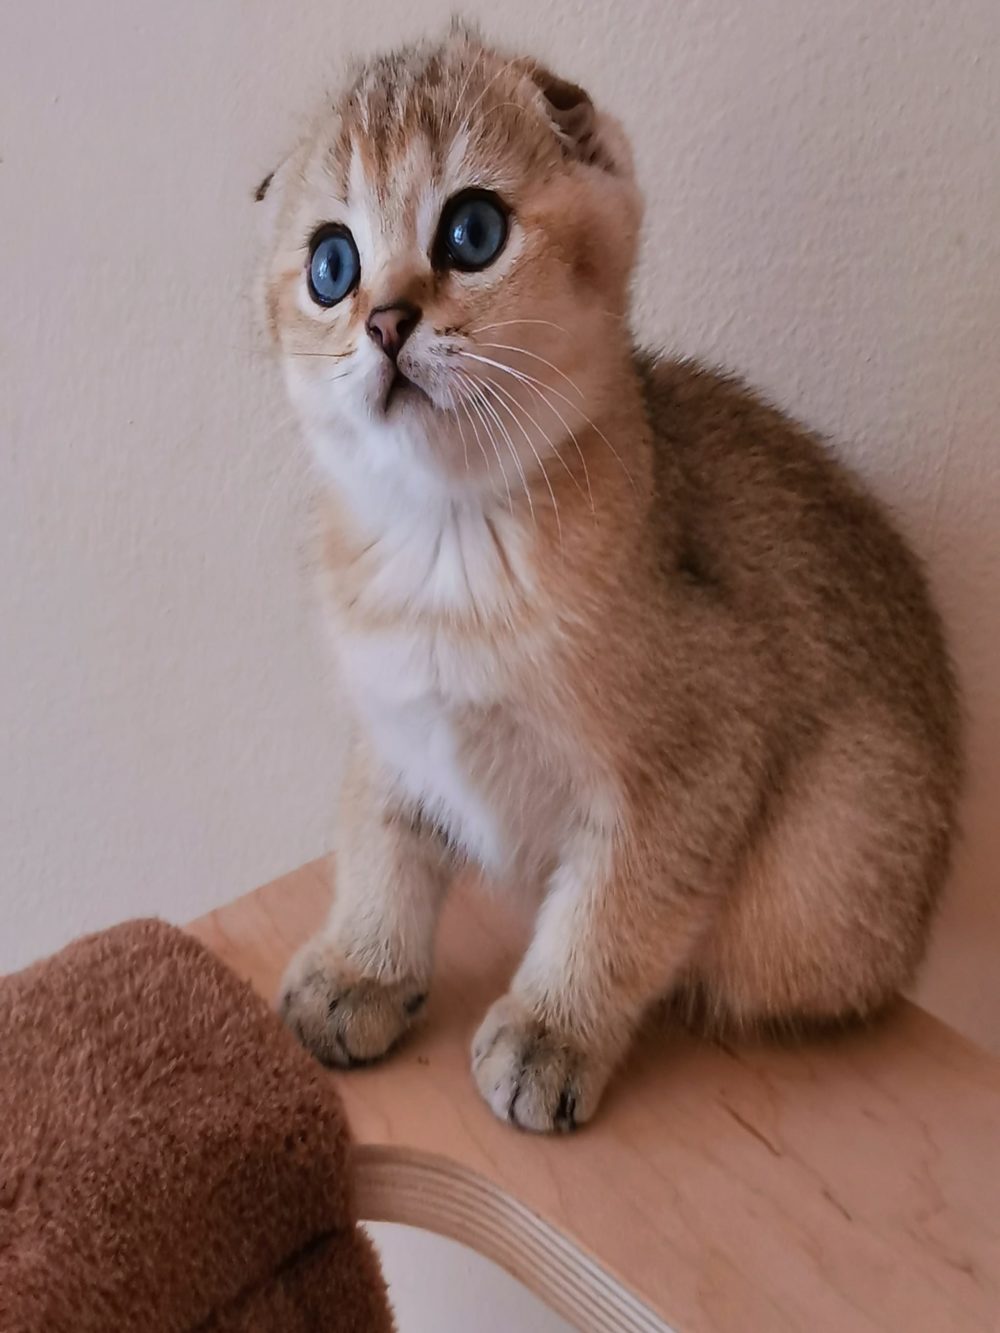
(260, 194)
(270, 203)
(586, 134)
(271, 191)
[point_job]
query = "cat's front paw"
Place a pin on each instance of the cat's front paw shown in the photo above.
(344, 1018)
(536, 1078)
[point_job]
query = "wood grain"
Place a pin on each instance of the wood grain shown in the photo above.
(850, 1184)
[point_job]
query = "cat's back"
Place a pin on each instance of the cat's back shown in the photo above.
(756, 493)
(782, 532)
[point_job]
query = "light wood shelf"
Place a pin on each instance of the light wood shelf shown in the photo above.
(849, 1184)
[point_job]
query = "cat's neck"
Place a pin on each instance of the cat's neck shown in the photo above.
(423, 544)
(413, 537)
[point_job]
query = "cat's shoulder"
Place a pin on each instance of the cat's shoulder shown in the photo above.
(690, 400)
(715, 426)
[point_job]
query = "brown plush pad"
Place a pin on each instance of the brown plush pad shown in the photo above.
(170, 1159)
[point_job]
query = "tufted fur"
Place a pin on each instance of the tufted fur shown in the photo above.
(607, 626)
(170, 1160)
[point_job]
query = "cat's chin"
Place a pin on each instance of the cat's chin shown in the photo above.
(403, 394)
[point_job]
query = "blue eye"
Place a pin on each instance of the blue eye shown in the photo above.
(334, 266)
(473, 231)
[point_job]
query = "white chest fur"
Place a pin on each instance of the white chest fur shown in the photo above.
(413, 722)
(423, 688)
(435, 668)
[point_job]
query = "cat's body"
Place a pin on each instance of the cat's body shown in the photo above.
(619, 634)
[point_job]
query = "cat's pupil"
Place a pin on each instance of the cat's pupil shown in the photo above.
(474, 232)
(331, 265)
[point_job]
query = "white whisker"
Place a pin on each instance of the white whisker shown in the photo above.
(494, 389)
(523, 351)
(468, 416)
(464, 403)
(487, 406)
(525, 378)
(588, 494)
(506, 323)
(473, 400)
(465, 443)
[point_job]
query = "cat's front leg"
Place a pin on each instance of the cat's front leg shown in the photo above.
(609, 941)
(352, 991)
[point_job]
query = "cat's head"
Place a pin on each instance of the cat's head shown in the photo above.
(449, 279)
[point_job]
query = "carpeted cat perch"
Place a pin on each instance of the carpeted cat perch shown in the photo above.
(170, 1159)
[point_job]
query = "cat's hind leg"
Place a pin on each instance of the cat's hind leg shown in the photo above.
(830, 913)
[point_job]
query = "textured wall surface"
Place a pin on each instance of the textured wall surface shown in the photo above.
(823, 205)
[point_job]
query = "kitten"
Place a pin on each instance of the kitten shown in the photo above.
(608, 627)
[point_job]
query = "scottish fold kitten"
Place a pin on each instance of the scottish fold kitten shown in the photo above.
(607, 625)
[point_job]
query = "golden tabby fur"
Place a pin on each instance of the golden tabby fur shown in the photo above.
(607, 626)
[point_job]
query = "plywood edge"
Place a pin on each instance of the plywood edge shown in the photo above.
(436, 1194)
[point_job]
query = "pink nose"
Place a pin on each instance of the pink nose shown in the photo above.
(390, 325)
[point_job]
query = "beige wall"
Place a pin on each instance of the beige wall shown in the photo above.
(824, 215)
